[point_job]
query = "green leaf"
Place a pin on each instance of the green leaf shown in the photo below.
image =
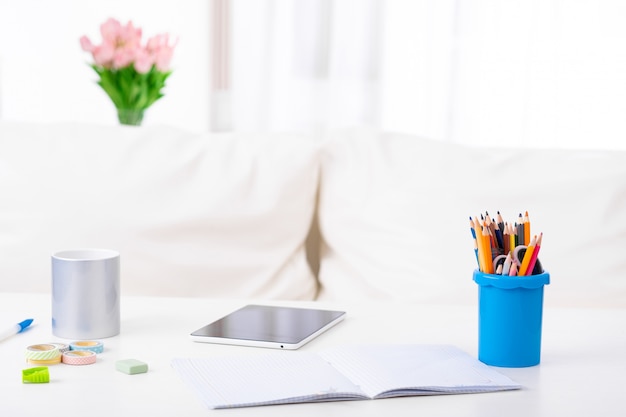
(129, 89)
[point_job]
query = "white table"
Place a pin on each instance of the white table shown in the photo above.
(582, 372)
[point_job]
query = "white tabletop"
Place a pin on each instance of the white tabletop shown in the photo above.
(582, 370)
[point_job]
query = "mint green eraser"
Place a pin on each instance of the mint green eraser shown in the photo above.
(131, 366)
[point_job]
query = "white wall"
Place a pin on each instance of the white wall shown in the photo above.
(44, 74)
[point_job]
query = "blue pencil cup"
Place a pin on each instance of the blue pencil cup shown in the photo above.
(510, 311)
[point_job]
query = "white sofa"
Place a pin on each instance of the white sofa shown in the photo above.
(355, 214)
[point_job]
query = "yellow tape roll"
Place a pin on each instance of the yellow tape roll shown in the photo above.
(45, 362)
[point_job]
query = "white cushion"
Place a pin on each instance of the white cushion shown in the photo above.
(394, 214)
(217, 215)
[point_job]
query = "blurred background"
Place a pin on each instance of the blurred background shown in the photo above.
(535, 73)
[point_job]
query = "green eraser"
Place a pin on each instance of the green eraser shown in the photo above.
(131, 366)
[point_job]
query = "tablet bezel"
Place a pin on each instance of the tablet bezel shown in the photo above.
(325, 319)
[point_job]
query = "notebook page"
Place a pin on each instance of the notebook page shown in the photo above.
(263, 379)
(379, 369)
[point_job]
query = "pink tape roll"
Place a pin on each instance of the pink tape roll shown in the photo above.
(79, 357)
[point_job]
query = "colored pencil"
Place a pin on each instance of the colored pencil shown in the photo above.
(499, 238)
(487, 250)
(492, 230)
(526, 229)
(500, 220)
(506, 239)
(533, 260)
(527, 256)
(521, 239)
(474, 238)
(513, 236)
(479, 245)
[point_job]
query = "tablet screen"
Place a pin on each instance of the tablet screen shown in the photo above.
(269, 326)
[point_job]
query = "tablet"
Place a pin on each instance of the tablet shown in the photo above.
(269, 326)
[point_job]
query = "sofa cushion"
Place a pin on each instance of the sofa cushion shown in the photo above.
(217, 215)
(394, 215)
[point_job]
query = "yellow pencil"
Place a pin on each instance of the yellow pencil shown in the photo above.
(486, 240)
(527, 256)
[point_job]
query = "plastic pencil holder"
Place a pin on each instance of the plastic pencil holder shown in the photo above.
(510, 310)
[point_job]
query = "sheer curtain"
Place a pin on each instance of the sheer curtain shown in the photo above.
(539, 73)
(305, 64)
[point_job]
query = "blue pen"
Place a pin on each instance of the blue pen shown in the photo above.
(18, 328)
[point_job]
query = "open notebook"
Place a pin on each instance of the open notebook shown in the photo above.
(355, 372)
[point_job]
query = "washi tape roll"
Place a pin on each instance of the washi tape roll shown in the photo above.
(61, 346)
(45, 361)
(36, 375)
(90, 345)
(79, 357)
(43, 352)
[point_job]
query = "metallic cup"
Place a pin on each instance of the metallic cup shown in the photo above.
(86, 294)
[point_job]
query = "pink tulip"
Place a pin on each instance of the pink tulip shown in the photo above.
(143, 61)
(162, 51)
(86, 44)
(121, 48)
(123, 57)
(103, 55)
(157, 42)
(110, 29)
(164, 58)
(129, 36)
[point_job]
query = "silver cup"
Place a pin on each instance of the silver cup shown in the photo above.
(86, 294)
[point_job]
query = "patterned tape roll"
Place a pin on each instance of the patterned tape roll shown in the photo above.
(90, 345)
(79, 357)
(36, 375)
(44, 352)
(61, 346)
(45, 361)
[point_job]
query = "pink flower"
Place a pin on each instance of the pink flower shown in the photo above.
(86, 44)
(121, 47)
(122, 37)
(143, 61)
(109, 29)
(121, 60)
(159, 47)
(123, 57)
(103, 55)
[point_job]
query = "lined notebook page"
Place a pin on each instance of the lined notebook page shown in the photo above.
(341, 373)
(410, 368)
(250, 380)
